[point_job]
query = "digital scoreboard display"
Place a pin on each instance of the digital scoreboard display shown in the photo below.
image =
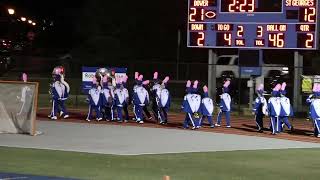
(259, 24)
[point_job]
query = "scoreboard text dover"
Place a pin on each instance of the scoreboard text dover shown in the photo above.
(259, 24)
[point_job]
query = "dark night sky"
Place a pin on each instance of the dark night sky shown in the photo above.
(119, 29)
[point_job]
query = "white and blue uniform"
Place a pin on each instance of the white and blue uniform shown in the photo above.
(191, 106)
(125, 107)
(140, 99)
(107, 97)
(207, 107)
(260, 109)
(161, 102)
(60, 93)
(285, 112)
(274, 109)
(95, 102)
(120, 99)
(225, 107)
(314, 102)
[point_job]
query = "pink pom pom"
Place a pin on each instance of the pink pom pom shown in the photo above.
(195, 84)
(136, 75)
(226, 84)
(260, 87)
(283, 86)
(166, 79)
(188, 83)
(277, 87)
(315, 87)
(140, 77)
(105, 79)
(205, 89)
(57, 71)
(146, 82)
(155, 75)
(24, 77)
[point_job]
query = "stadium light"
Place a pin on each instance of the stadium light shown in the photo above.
(23, 19)
(11, 11)
(30, 21)
(34, 23)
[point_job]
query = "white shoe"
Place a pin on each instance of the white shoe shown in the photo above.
(98, 119)
(54, 118)
(49, 116)
(141, 122)
(318, 136)
(61, 113)
(125, 121)
(218, 125)
(88, 120)
(228, 126)
(150, 118)
(65, 116)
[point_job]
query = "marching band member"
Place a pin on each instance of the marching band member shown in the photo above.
(94, 97)
(155, 94)
(286, 109)
(26, 96)
(315, 109)
(160, 99)
(164, 101)
(260, 108)
(107, 100)
(60, 91)
(207, 107)
(140, 98)
(274, 108)
(191, 105)
(126, 92)
(225, 105)
(120, 99)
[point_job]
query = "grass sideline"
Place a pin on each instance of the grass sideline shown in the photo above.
(291, 164)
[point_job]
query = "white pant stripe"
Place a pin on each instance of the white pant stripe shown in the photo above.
(89, 112)
(190, 117)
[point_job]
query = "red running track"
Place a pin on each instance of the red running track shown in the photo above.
(303, 129)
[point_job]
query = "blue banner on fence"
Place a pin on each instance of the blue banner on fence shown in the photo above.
(89, 72)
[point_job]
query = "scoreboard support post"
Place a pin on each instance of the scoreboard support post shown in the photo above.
(212, 82)
(298, 65)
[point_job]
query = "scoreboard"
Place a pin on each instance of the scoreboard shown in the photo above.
(258, 24)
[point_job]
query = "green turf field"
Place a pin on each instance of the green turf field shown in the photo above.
(293, 164)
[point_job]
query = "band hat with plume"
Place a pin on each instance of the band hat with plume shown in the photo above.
(226, 86)
(145, 82)
(205, 91)
(136, 75)
(165, 80)
(188, 87)
(275, 90)
(24, 77)
(283, 88)
(260, 89)
(195, 86)
(155, 76)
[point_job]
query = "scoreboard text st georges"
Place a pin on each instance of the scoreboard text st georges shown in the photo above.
(259, 24)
